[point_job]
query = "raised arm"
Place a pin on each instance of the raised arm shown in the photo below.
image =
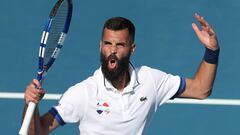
(201, 85)
(39, 125)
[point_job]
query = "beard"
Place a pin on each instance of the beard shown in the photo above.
(122, 66)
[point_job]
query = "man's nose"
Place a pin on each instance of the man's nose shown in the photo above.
(114, 49)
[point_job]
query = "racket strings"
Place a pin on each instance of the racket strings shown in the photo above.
(58, 24)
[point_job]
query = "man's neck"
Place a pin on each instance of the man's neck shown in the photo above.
(122, 81)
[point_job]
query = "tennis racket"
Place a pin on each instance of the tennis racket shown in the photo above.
(52, 40)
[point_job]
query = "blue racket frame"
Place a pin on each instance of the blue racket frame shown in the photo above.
(42, 69)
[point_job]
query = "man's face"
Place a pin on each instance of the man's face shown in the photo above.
(115, 52)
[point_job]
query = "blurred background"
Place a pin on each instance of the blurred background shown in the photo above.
(165, 40)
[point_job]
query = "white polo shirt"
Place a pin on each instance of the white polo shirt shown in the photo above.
(101, 109)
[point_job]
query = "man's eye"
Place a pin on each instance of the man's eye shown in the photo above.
(107, 43)
(121, 45)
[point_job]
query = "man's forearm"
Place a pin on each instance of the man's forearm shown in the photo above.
(206, 73)
(206, 76)
(209, 68)
(201, 85)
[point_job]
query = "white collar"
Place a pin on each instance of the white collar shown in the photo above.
(131, 85)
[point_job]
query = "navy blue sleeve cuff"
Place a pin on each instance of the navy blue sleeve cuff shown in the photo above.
(181, 87)
(57, 116)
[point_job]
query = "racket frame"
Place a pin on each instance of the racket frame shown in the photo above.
(42, 69)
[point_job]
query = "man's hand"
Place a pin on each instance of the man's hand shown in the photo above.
(34, 92)
(206, 35)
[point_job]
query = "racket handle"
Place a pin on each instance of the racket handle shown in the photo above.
(27, 119)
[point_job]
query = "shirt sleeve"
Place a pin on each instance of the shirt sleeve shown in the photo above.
(181, 87)
(166, 85)
(72, 105)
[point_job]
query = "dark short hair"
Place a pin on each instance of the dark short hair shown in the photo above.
(120, 23)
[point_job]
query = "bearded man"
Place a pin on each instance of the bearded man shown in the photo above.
(119, 99)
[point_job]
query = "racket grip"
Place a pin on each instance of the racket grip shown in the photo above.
(27, 118)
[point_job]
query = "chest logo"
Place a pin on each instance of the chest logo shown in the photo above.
(143, 99)
(103, 108)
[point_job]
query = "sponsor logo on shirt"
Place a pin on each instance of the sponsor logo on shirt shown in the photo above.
(142, 99)
(102, 107)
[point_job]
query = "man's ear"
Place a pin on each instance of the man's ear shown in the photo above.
(133, 47)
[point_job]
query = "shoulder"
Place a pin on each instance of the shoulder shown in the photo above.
(156, 76)
(91, 81)
(82, 88)
(149, 71)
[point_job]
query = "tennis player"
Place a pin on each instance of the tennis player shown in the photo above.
(120, 99)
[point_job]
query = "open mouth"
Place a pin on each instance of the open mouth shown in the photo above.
(112, 64)
(112, 61)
